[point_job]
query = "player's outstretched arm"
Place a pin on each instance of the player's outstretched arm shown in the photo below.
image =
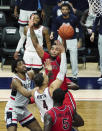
(63, 69)
(20, 45)
(73, 86)
(34, 39)
(16, 84)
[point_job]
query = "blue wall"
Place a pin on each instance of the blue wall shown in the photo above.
(83, 82)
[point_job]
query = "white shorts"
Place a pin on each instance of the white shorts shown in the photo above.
(24, 16)
(32, 60)
(21, 115)
(71, 44)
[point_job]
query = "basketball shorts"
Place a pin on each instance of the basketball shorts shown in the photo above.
(24, 16)
(21, 115)
(32, 60)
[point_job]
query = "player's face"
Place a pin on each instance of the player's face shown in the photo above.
(54, 51)
(36, 20)
(21, 68)
(65, 10)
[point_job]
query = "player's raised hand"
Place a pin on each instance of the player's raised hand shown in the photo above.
(48, 65)
(60, 46)
(31, 22)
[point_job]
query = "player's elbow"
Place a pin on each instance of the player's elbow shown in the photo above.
(81, 123)
(78, 121)
(27, 94)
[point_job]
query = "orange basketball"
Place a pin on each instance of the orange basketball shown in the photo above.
(66, 31)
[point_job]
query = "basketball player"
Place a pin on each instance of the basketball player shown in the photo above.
(31, 58)
(15, 110)
(71, 44)
(54, 57)
(61, 117)
(42, 96)
(55, 62)
(23, 9)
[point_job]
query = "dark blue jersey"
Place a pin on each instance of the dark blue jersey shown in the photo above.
(57, 12)
(97, 20)
(72, 20)
(29, 5)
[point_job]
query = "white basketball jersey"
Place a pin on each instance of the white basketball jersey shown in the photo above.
(43, 101)
(29, 46)
(16, 98)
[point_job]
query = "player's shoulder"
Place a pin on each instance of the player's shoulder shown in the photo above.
(45, 29)
(46, 55)
(59, 18)
(73, 16)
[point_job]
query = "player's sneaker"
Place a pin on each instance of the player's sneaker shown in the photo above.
(99, 81)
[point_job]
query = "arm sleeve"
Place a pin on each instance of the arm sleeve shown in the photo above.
(63, 67)
(21, 42)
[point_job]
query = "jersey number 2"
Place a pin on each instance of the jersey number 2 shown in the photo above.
(45, 105)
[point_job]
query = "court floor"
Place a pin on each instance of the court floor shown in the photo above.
(89, 100)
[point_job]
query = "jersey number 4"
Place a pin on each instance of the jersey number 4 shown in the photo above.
(45, 105)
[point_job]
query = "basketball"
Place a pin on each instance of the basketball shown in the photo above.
(66, 31)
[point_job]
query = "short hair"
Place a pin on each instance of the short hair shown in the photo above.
(58, 95)
(36, 13)
(38, 79)
(53, 44)
(66, 4)
(14, 64)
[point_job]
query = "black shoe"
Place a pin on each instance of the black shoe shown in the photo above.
(75, 80)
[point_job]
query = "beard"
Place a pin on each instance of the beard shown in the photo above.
(53, 57)
(36, 25)
(65, 14)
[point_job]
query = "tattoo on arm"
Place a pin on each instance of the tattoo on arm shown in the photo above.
(33, 37)
(47, 122)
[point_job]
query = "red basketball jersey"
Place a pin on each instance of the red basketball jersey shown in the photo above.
(69, 100)
(62, 118)
(55, 69)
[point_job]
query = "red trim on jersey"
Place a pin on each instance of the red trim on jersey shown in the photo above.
(10, 108)
(23, 21)
(26, 118)
(12, 98)
(33, 65)
(14, 119)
